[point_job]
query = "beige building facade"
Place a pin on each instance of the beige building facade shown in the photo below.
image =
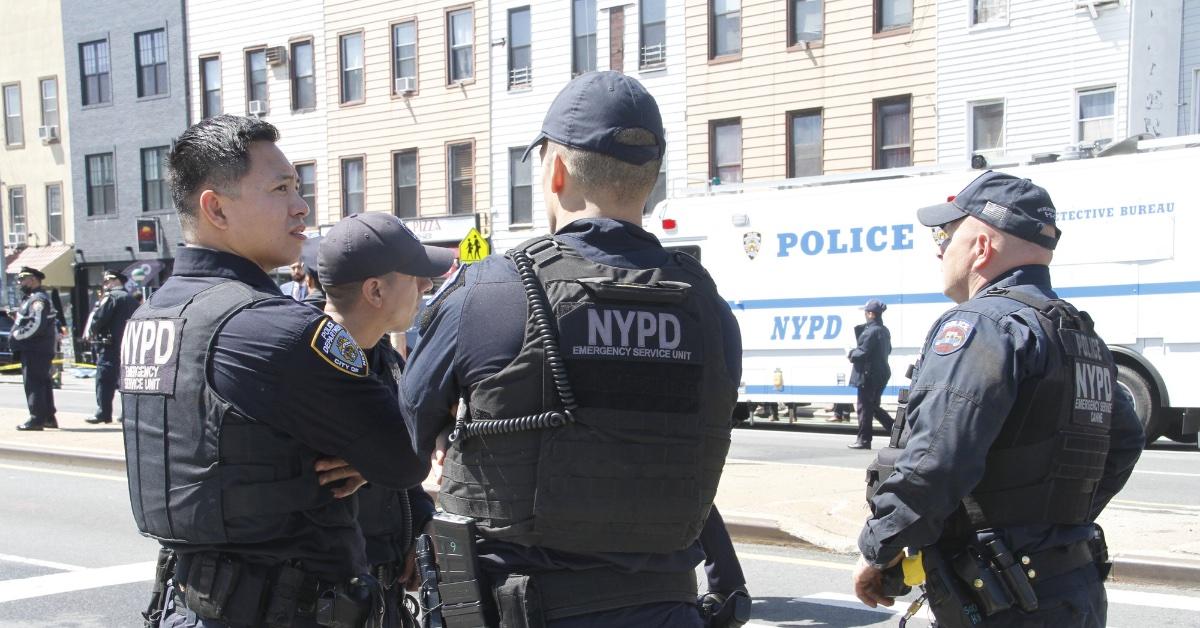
(35, 178)
(805, 87)
(408, 121)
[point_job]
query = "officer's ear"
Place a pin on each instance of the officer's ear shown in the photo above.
(558, 173)
(210, 209)
(372, 291)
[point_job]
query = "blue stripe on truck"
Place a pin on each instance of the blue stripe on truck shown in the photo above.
(1121, 290)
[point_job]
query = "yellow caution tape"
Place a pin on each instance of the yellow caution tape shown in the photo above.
(914, 570)
(13, 367)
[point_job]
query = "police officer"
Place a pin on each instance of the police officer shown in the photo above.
(35, 337)
(104, 329)
(247, 414)
(871, 371)
(598, 373)
(1016, 435)
(375, 271)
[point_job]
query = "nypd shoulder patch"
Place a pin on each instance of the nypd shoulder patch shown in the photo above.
(335, 345)
(952, 336)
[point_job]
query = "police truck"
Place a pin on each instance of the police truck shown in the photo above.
(797, 260)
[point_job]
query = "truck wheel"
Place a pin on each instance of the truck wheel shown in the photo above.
(1144, 403)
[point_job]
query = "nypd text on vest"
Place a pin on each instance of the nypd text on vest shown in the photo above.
(149, 351)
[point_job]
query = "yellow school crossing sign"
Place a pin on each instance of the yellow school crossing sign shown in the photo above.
(473, 248)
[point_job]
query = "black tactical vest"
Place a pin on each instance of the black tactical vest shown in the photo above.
(385, 515)
(200, 472)
(1046, 464)
(637, 469)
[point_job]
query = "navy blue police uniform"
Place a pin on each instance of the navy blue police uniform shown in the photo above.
(222, 429)
(106, 327)
(35, 337)
(1002, 442)
(472, 330)
(871, 372)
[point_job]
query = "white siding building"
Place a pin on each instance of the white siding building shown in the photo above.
(536, 46)
(1189, 70)
(266, 59)
(1018, 77)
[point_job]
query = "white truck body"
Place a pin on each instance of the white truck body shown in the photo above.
(797, 260)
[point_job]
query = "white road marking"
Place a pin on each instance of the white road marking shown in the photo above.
(40, 563)
(74, 474)
(1130, 502)
(1174, 473)
(1157, 600)
(53, 584)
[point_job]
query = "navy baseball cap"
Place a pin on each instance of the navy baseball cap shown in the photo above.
(1008, 203)
(875, 305)
(373, 244)
(592, 110)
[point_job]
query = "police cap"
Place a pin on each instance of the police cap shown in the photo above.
(27, 271)
(373, 244)
(1008, 203)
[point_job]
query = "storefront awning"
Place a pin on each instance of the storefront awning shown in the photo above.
(52, 259)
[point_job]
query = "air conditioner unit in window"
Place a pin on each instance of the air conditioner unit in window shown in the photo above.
(406, 85)
(1091, 5)
(48, 134)
(258, 107)
(276, 55)
(16, 239)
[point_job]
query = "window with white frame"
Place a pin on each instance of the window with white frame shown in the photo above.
(151, 62)
(725, 30)
(14, 126)
(893, 15)
(94, 72)
(725, 150)
(304, 81)
(583, 30)
(306, 174)
(350, 56)
(988, 12)
(101, 184)
(210, 78)
(520, 188)
(520, 60)
(352, 186)
(1096, 115)
(49, 89)
(256, 76)
(987, 128)
(16, 209)
(54, 212)
(893, 132)
(652, 24)
(404, 52)
(155, 194)
(804, 143)
(461, 26)
(806, 21)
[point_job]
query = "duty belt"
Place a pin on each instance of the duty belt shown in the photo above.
(570, 593)
(222, 588)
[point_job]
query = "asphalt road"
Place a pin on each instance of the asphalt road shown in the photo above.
(70, 556)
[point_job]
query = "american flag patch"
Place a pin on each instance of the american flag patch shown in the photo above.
(996, 213)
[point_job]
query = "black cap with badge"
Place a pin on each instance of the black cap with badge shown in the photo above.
(29, 271)
(594, 108)
(1008, 203)
(113, 274)
(374, 244)
(875, 305)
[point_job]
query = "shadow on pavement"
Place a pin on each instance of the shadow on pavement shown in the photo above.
(790, 611)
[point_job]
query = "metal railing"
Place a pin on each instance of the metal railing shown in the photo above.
(520, 77)
(655, 54)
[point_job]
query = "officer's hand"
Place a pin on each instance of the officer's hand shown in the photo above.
(408, 578)
(330, 470)
(868, 584)
(439, 454)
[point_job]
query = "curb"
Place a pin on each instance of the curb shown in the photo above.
(71, 457)
(1154, 570)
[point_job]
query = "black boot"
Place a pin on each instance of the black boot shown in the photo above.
(30, 426)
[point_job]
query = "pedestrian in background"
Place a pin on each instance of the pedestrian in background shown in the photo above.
(105, 327)
(871, 371)
(297, 288)
(35, 337)
(1017, 434)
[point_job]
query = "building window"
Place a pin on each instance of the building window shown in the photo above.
(520, 57)
(659, 193)
(94, 72)
(583, 42)
(256, 81)
(461, 26)
(151, 63)
(54, 212)
(404, 177)
(893, 15)
(210, 79)
(304, 82)
(725, 28)
(155, 196)
(893, 132)
(352, 186)
(461, 158)
(16, 210)
(404, 54)
(806, 21)
(652, 24)
(350, 49)
(987, 129)
(725, 150)
(101, 185)
(520, 188)
(1096, 115)
(14, 127)
(306, 178)
(49, 90)
(989, 12)
(804, 143)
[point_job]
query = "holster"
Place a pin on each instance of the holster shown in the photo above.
(519, 603)
(163, 572)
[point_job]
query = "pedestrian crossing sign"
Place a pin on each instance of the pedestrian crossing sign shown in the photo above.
(473, 248)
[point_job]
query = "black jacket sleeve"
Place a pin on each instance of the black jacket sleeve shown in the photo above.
(1126, 440)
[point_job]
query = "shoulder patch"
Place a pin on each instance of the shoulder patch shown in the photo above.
(335, 345)
(952, 336)
(37, 306)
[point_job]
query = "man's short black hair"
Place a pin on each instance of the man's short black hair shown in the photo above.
(214, 152)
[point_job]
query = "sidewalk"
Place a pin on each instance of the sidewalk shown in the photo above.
(762, 502)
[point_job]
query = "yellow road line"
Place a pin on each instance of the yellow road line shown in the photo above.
(77, 474)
